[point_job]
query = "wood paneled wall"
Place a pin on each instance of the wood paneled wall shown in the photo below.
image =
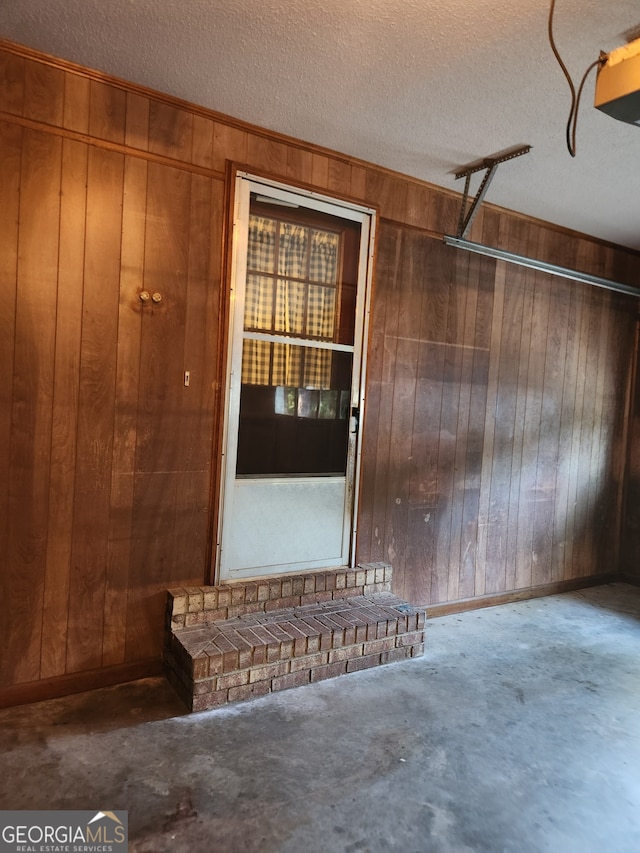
(495, 421)
(495, 424)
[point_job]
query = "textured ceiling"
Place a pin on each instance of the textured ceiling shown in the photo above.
(420, 86)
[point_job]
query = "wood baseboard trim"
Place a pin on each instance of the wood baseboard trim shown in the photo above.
(78, 682)
(445, 609)
(632, 579)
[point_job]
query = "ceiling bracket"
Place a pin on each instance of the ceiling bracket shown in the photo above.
(489, 166)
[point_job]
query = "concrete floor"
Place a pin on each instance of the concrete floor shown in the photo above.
(518, 731)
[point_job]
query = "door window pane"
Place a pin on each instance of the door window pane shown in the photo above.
(289, 429)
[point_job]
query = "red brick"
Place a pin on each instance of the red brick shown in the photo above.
(382, 645)
(380, 574)
(361, 633)
(229, 653)
(215, 661)
(263, 591)
(341, 580)
(345, 654)
(224, 596)
(329, 671)
(178, 601)
(320, 583)
(363, 663)
(209, 700)
(330, 581)
(247, 691)
(335, 631)
(216, 615)
(205, 686)
(254, 607)
(352, 592)
(275, 589)
(250, 593)
(233, 679)
(259, 650)
(195, 601)
(410, 639)
(200, 666)
(293, 679)
(210, 598)
(282, 603)
(178, 621)
(266, 639)
(394, 655)
(287, 587)
(297, 586)
(309, 584)
(309, 661)
(376, 631)
(417, 650)
(270, 670)
(245, 649)
(313, 645)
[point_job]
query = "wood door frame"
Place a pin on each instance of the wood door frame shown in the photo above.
(236, 174)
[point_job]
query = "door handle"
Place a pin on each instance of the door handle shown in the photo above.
(355, 419)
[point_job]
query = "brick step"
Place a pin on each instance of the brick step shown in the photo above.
(188, 606)
(227, 660)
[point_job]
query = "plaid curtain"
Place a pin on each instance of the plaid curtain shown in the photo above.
(297, 297)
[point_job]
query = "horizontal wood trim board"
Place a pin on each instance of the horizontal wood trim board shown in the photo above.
(435, 610)
(65, 685)
(96, 142)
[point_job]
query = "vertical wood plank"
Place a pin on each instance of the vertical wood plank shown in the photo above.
(450, 405)
(107, 112)
(11, 142)
(477, 416)
(387, 294)
(202, 150)
(193, 487)
(339, 177)
(267, 154)
(170, 131)
(125, 424)
(68, 328)
(369, 537)
(43, 93)
(229, 143)
(424, 521)
(137, 122)
(463, 479)
(320, 171)
(299, 165)
(12, 83)
(358, 182)
(76, 102)
(160, 455)
(30, 443)
(98, 350)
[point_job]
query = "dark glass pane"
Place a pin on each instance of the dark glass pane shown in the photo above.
(290, 430)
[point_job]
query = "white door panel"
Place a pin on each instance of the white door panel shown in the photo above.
(287, 524)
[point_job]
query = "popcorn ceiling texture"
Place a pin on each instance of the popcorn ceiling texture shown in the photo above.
(419, 86)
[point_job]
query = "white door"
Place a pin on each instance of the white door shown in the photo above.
(300, 271)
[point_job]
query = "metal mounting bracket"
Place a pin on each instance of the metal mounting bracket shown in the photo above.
(489, 165)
